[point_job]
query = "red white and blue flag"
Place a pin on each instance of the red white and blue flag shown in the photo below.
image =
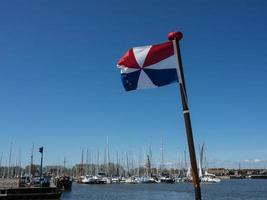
(149, 66)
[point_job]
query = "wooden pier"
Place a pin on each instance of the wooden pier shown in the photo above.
(11, 190)
(29, 193)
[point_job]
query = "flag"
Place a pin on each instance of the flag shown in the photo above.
(41, 149)
(149, 66)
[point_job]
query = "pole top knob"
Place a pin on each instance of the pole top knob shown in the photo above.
(175, 35)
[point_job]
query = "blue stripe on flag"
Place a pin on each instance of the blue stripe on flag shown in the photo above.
(162, 77)
(130, 80)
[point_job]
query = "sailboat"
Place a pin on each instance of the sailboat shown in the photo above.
(148, 177)
(188, 174)
(209, 178)
(164, 176)
(206, 177)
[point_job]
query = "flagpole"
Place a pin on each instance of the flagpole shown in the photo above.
(175, 37)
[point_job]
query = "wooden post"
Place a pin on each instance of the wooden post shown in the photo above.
(175, 37)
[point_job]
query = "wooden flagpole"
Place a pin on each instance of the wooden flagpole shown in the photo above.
(175, 37)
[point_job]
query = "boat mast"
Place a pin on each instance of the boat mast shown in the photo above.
(97, 160)
(19, 163)
(185, 161)
(117, 165)
(91, 159)
(81, 170)
(58, 165)
(148, 166)
(150, 158)
(64, 166)
(108, 161)
(4, 170)
(31, 164)
(127, 164)
(132, 162)
(9, 160)
(1, 164)
(178, 163)
(162, 159)
(139, 162)
(123, 165)
(201, 151)
(87, 162)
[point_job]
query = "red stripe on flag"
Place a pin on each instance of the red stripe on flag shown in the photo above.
(158, 53)
(129, 60)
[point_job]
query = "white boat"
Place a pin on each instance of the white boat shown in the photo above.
(101, 178)
(206, 177)
(107, 180)
(131, 180)
(88, 180)
(147, 179)
(209, 178)
(115, 179)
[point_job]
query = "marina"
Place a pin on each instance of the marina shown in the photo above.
(50, 182)
(133, 100)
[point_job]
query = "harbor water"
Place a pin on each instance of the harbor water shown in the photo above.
(225, 190)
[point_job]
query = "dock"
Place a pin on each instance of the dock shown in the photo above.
(11, 190)
(29, 193)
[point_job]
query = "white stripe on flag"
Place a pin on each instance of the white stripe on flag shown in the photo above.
(144, 81)
(140, 54)
(168, 63)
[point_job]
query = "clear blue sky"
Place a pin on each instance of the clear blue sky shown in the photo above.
(60, 88)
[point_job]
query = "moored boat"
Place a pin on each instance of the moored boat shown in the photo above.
(88, 180)
(209, 178)
(167, 179)
(147, 179)
(63, 182)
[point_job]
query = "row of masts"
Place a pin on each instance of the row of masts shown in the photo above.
(127, 161)
(11, 169)
(125, 164)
